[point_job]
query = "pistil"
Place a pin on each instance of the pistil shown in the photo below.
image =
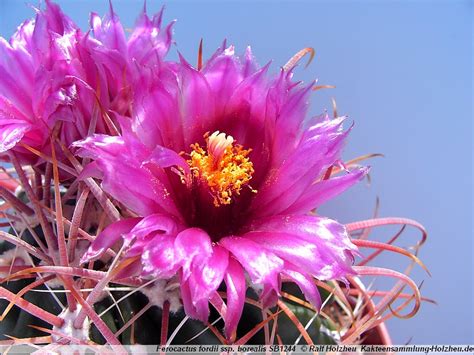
(224, 167)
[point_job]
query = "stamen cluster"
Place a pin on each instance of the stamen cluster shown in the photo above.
(224, 167)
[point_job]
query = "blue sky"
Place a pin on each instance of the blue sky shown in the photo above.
(403, 72)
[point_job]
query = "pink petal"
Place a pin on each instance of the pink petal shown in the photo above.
(109, 31)
(262, 266)
(148, 227)
(206, 277)
(328, 241)
(289, 247)
(149, 43)
(194, 309)
(236, 288)
(11, 134)
(160, 257)
(15, 94)
(223, 74)
(166, 158)
(197, 104)
(269, 295)
(122, 162)
(289, 121)
(203, 281)
(108, 237)
(15, 59)
(325, 190)
(305, 283)
(57, 21)
(155, 118)
(194, 246)
(286, 185)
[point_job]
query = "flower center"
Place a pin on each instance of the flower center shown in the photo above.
(225, 168)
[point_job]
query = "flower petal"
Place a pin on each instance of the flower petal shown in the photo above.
(196, 104)
(202, 282)
(149, 43)
(108, 237)
(223, 74)
(206, 277)
(328, 241)
(289, 120)
(166, 158)
(17, 95)
(196, 310)
(324, 190)
(285, 185)
(10, 135)
(160, 257)
(236, 288)
(109, 31)
(156, 111)
(262, 266)
(289, 247)
(305, 283)
(122, 162)
(14, 58)
(194, 246)
(148, 227)
(269, 295)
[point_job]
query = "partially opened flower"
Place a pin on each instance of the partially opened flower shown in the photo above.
(124, 62)
(222, 172)
(56, 81)
(43, 86)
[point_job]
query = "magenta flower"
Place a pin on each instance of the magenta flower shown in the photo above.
(223, 172)
(41, 85)
(127, 63)
(57, 81)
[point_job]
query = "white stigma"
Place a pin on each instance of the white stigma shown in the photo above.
(217, 143)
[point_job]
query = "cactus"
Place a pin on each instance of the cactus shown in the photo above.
(74, 268)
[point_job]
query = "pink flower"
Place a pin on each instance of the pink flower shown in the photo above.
(42, 85)
(57, 81)
(126, 63)
(224, 171)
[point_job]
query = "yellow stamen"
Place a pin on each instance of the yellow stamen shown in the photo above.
(224, 167)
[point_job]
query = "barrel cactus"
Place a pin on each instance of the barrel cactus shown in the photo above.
(150, 201)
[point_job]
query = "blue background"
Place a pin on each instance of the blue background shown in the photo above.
(403, 72)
